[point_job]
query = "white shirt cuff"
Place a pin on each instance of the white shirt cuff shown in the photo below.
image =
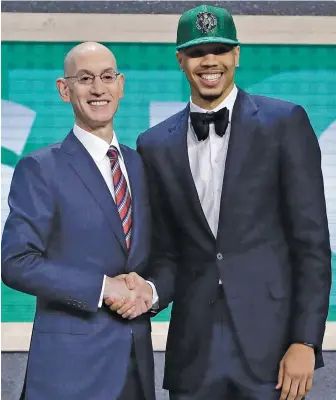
(155, 299)
(102, 293)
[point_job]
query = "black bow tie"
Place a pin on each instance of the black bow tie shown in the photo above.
(201, 121)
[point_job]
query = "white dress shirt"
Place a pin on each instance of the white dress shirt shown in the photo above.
(97, 148)
(207, 161)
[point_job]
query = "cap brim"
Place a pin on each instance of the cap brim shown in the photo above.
(207, 40)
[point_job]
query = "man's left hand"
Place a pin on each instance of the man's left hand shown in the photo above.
(296, 372)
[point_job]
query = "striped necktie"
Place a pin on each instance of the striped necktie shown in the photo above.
(122, 194)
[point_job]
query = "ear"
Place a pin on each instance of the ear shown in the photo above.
(237, 55)
(121, 83)
(179, 58)
(63, 89)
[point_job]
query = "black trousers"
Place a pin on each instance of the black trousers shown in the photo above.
(228, 376)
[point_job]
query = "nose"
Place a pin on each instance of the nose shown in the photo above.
(97, 87)
(209, 60)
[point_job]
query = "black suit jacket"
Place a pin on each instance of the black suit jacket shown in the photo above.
(272, 251)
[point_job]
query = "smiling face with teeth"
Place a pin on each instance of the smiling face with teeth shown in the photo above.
(210, 70)
(94, 104)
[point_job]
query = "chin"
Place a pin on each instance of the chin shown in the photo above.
(99, 123)
(101, 119)
(211, 95)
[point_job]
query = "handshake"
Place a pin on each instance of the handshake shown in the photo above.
(128, 294)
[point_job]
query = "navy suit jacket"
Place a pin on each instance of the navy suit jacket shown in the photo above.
(272, 251)
(62, 235)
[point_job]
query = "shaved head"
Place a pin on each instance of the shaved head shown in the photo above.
(85, 50)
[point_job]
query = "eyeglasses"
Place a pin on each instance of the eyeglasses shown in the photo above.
(88, 79)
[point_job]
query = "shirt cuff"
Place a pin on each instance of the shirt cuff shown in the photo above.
(155, 299)
(102, 293)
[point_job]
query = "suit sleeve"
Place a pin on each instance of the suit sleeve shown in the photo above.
(304, 211)
(164, 255)
(28, 229)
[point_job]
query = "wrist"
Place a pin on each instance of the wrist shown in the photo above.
(308, 345)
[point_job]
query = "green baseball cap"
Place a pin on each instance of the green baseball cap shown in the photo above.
(205, 24)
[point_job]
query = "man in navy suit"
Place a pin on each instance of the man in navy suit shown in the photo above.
(79, 217)
(240, 234)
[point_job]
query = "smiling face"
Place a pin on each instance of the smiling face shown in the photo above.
(210, 70)
(92, 86)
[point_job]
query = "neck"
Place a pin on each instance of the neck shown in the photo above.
(210, 103)
(103, 132)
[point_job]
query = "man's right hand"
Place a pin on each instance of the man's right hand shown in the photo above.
(143, 292)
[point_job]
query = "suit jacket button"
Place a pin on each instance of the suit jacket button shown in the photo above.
(219, 256)
(211, 302)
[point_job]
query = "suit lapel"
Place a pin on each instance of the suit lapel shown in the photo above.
(243, 127)
(87, 171)
(178, 152)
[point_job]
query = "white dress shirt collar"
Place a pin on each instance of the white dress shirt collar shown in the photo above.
(96, 147)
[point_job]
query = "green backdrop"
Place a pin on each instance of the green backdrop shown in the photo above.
(33, 115)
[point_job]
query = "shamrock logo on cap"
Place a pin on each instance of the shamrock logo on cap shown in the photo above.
(206, 22)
